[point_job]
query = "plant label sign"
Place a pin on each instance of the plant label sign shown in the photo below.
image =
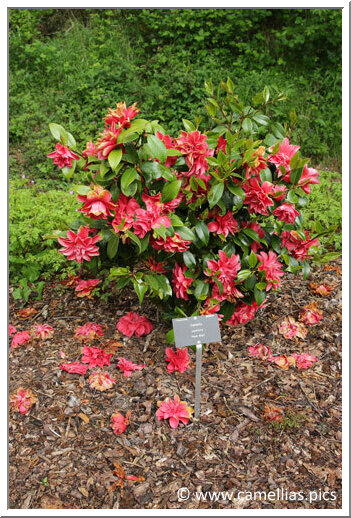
(196, 331)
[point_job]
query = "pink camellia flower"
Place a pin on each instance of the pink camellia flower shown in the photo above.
(154, 203)
(175, 410)
(309, 177)
(128, 366)
(98, 203)
(180, 282)
(119, 423)
(178, 360)
(221, 144)
(290, 328)
(79, 247)
(310, 314)
(107, 141)
(170, 144)
(171, 244)
(86, 288)
(133, 323)
(283, 361)
(224, 225)
(270, 264)
(12, 330)
(243, 313)
(304, 360)
(154, 266)
(22, 400)
(210, 308)
(296, 244)
(260, 351)
(101, 381)
(74, 368)
(257, 196)
(146, 220)
(279, 192)
(287, 213)
(259, 164)
(255, 246)
(195, 147)
(283, 157)
(121, 115)
(63, 156)
(226, 268)
(43, 331)
(90, 150)
(95, 357)
(125, 212)
(88, 332)
(21, 338)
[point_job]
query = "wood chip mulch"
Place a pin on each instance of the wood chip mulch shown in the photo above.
(62, 453)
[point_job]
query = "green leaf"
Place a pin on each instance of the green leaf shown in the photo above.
(82, 189)
(252, 259)
(201, 290)
(170, 190)
(202, 232)
(127, 178)
(189, 126)
(243, 274)
(266, 175)
(112, 246)
(236, 190)
(56, 130)
(215, 194)
(251, 233)
(247, 125)
(261, 119)
(135, 239)
(136, 126)
(114, 158)
(306, 269)
(261, 286)
(140, 289)
(119, 271)
(185, 233)
(259, 296)
(157, 148)
(189, 259)
(296, 175)
(170, 336)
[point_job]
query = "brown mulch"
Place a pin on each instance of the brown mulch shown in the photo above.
(62, 453)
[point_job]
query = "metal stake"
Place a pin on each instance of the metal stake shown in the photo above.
(198, 379)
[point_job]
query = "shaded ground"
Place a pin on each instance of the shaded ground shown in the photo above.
(62, 452)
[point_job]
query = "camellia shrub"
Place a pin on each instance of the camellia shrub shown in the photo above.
(207, 222)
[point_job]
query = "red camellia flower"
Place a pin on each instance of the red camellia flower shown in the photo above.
(296, 244)
(195, 147)
(310, 314)
(95, 357)
(132, 323)
(224, 225)
(12, 330)
(178, 361)
(175, 410)
(22, 400)
(90, 150)
(270, 264)
(169, 142)
(119, 423)
(154, 266)
(287, 213)
(43, 331)
(125, 212)
(259, 164)
(243, 313)
(309, 177)
(98, 203)
(260, 351)
(86, 288)
(180, 282)
(88, 332)
(146, 220)
(63, 156)
(284, 156)
(226, 268)
(121, 115)
(79, 247)
(278, 192)
(128, 367)
(21, 338)
(304, 361)
(255, 246)
(221, 144)
(107, 141)
(257, 196)
(74, 368)
(171, 244)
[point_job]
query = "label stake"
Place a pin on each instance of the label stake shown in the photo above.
(198, 379)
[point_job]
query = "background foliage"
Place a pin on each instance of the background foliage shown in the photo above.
(69, 65)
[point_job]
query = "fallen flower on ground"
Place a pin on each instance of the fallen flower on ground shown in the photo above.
(119, 472)
(42, 331)
(21, 338)
(178, 360)
(74, 368)
(272, 413)
(289, 328)
(283, 361)
(95, 357)
(261, 351)
(100, 381)
(119, 423)
(175, 410)
(310, 314)
(132, 323)
(22, 400)
(128, 366)
(304, 360)
(12, 330)
(27, 313)
(86, 288)
(88, 332)
(321, 289)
